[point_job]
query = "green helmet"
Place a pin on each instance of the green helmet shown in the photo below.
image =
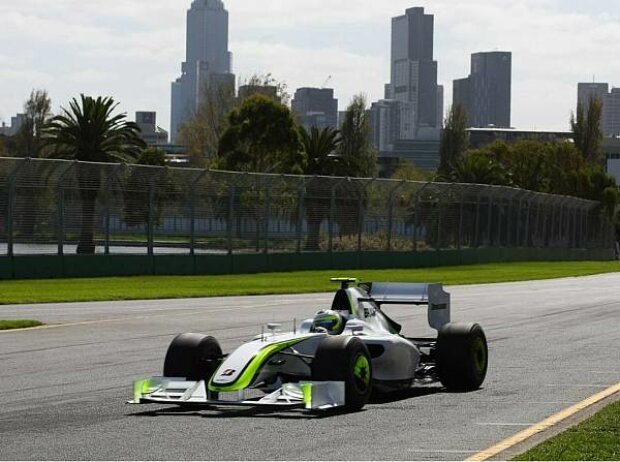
(328, 320)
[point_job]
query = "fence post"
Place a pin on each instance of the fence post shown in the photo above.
(60, 209)
(416, 216)
(192, 218)
(489, 220)
(439, 222)
(526, 234)
(266, 219)
(108, 194)
(390, 226)
(230, 218)
(10, 205)
(561, 227)
(361, 215)
(301, 195)
(150, 231)
(572, 226)
(459, 235)
(545, 235)
(477, 226)
(537, 228)
(499, 221)
(584, 227)
(518, 224)
(332, 207)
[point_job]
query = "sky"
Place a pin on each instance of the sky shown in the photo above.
(132, 49)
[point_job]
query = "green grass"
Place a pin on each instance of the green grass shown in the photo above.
(597, 438)
(18, 324)
(157, 287)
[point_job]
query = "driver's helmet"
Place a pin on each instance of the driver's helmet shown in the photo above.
(328, 321)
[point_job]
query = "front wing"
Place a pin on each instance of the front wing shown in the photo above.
(182, 392)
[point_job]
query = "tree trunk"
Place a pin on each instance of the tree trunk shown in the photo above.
(88, 181)
(86, 244)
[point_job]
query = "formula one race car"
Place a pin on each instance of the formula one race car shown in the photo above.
(332, 360)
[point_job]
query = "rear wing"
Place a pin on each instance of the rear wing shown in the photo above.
(402, 293)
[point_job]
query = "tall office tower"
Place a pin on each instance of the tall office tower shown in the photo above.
(414, 72)
(610, 123)
(612, 113)
(586, 91)
(440, 103)
(385, 118)
(207, 63)
(316, 107)
(486, 93)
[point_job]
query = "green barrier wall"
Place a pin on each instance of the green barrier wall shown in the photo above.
(70, 266)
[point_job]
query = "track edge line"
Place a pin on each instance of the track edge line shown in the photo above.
(543, 425)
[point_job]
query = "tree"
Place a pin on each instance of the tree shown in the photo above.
(408, 171)
(320, 148)
(357, 155)
(587, 132)
(453, 139)
(89, 131)
(201, 134)
(4, 152)
(478, 167)
(37, 111)
(264, 84)
(261, 137)
(139, 210)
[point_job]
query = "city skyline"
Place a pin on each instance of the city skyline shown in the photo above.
(132, 53)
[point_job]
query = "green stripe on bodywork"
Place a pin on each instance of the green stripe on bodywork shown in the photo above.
(306, 389)
(254, 365)
(141, 388)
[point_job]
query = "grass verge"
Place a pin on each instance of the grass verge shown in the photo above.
(160, 287)
(18, 324)
(597, 438)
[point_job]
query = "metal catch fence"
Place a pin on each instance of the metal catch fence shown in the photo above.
(60, 207)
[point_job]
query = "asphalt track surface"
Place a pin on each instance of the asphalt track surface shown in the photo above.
(552, 344)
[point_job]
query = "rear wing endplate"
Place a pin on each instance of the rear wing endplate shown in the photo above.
(402, 293)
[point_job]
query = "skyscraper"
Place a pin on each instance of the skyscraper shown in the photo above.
(316, 107)
(486, 93)
(610, 120)
(414, 72)
(207, 62)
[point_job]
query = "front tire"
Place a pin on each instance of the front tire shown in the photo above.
(193, 356)
(462, 356)
(345, 359)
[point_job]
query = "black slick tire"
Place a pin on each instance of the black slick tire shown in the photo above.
(462, 356)
(345, 359)
(193, 356)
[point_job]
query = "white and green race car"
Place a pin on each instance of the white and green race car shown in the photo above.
(334, 360)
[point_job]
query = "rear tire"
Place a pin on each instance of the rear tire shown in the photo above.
(462, 356)
(345, 359)
(193, 356)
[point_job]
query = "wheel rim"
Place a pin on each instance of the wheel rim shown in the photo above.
(480, 356)
(361, 372)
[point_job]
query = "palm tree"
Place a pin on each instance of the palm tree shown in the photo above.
(319, 147)
(90, 132)
(477, 169)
